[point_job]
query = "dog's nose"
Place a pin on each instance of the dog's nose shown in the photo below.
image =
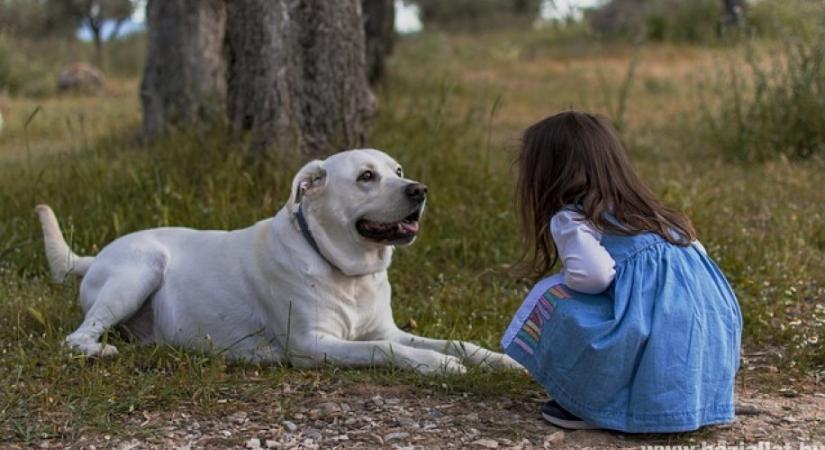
(416, 191)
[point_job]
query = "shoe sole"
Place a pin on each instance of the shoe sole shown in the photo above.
(569, 424)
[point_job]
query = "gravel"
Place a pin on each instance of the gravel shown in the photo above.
(362, 416)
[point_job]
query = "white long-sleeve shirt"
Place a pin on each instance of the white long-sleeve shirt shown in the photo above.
(587, 266)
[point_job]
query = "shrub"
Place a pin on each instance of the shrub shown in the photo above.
(768, 110)
(781, 18)
(19, 75)
(9, 78)
(658, 20)
(701, 21)
(477, 15)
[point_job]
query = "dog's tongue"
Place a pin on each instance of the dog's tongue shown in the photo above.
(409, 227)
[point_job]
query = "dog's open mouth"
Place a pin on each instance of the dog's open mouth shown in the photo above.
(400, 232)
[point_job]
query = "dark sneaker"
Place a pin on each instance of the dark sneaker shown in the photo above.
(560, 417)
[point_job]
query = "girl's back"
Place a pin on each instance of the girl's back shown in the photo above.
(640, 332)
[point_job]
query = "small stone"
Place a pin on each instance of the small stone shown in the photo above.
(271, 443)
(329, 408)
(238, 417)
(226, 433)
(485, 443)
(788, 392)
(133, 444)
(80, 77)
(395, 436)
(290, 426)
(313, 434)
(406, 422)
(553, 440)
(253, 443)
(748, 410)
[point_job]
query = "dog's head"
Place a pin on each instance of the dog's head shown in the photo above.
(358, 206)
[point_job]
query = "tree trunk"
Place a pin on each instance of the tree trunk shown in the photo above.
(733, 13)
(95, 28)
(297, 73)
(184, 78)
(98, 50)
(529, 8)
(379, 31)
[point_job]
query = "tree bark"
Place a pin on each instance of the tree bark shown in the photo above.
(184, 77)
(733, 13)
(95, 27)
(379, 31)
(297, 74)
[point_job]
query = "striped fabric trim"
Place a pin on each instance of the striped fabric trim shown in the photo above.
(529, 335)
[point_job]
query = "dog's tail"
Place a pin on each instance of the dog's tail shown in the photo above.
(62, 260)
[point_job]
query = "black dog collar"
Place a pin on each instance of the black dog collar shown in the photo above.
(302, 224)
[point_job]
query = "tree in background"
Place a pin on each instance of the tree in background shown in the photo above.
(184, 77)
(35, 19)
(297, 74)
(668, 20)
(379, 31)
(294, 73)
(477, 14)
(95, 13)
(733, 16)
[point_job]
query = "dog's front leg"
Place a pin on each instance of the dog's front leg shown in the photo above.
(317, 349)
(467, 351)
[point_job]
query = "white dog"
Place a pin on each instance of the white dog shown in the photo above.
(306, 287)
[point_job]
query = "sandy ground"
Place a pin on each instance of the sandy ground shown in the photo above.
(365, 416)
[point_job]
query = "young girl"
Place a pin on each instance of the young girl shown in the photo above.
(640, 331)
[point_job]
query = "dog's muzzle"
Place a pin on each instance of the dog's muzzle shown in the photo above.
(400, 232)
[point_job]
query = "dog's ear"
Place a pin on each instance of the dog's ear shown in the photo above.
(310, 179)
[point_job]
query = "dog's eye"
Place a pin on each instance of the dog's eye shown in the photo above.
(399, 172)
(367, 175)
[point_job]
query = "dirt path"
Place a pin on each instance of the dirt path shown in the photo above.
(362, 416)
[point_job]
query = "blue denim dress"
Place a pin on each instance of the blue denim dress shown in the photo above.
(656, 352)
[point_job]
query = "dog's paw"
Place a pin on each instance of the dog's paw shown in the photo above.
(453, 365)
(444, 364)
(506, 362)
(498, 361)
(107, 351)
(90, 348)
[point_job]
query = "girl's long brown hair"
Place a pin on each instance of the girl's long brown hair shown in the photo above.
(575, 158)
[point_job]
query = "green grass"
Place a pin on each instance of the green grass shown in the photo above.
(450, 113)
(776, 108)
